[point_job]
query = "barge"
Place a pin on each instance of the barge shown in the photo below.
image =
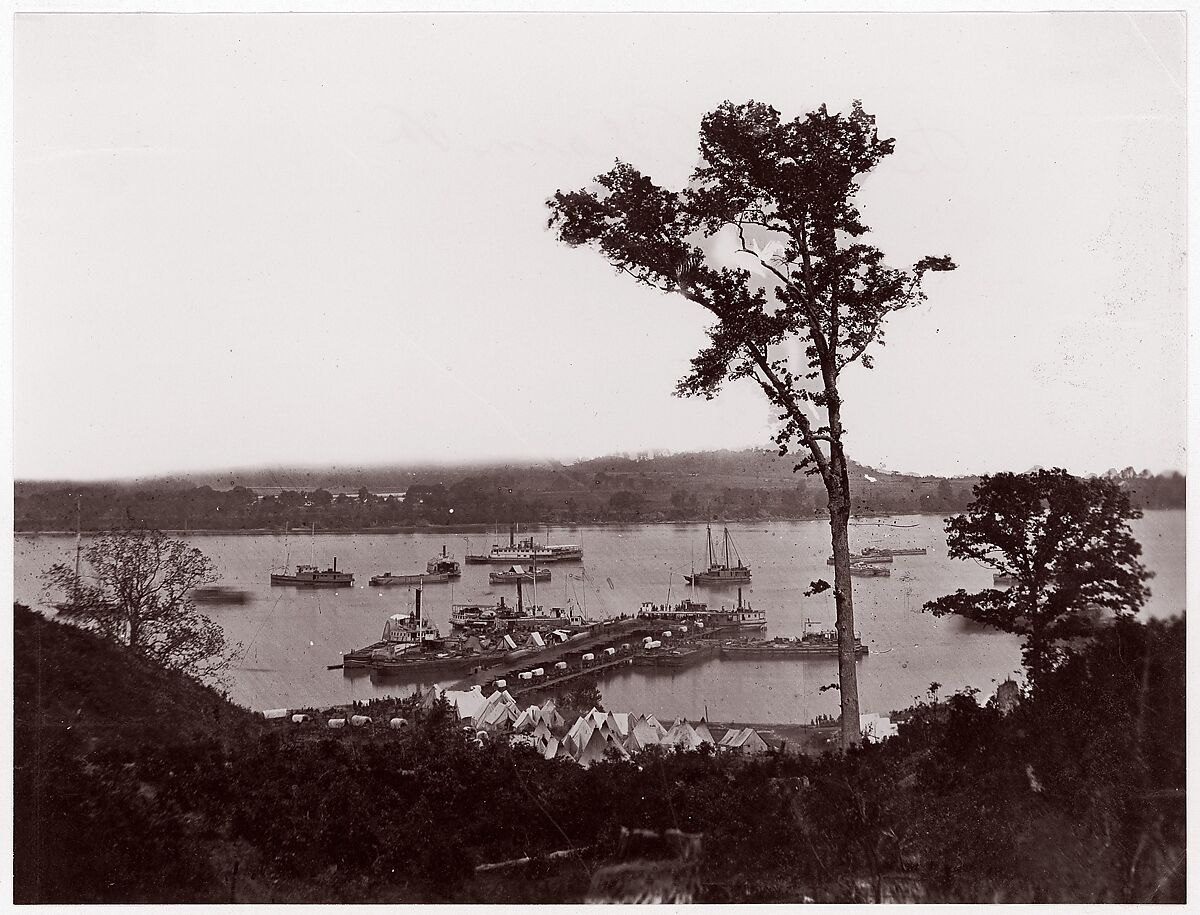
(687, 611)
(438, 570)
(864, 556)
(822, 644)
(866, 570)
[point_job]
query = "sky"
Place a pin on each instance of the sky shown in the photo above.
(269, 239)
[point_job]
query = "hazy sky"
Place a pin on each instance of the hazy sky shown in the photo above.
(310, 239)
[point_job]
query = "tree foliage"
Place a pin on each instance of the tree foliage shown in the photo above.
(1066, 543)
(778, 199)
(135, 591)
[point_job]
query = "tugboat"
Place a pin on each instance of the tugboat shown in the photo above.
(438, 570)
(309, 576)
(514, 574)
(721, 573)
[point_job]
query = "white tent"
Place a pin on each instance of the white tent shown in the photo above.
(879, 727)
(598, 744)
(682, 736)
(704, 733)
(747, 740)
(646, 733)
(467, 702)
(528, 719)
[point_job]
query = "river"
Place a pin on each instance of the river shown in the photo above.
(291, 635)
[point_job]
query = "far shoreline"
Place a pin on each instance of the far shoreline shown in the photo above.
(475, 528)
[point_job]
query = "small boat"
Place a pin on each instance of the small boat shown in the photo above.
(866, 570)
(518, 573)
(721, 573)
(219, 594)
(438, 570)
(864, 556)
(906, 551)
(1003, 578)
(309, 576)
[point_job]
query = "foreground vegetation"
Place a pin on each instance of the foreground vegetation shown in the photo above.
(136, 784)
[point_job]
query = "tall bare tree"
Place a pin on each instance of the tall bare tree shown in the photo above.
(780, 194)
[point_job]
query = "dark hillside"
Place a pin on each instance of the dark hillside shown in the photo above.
(135, 786)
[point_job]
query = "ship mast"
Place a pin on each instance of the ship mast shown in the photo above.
(712, 556)
(78, 545)
(727, 546)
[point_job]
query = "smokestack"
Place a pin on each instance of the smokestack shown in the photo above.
(418, 609)
(739, 598)
(520, 599)
(512, 534)
(335, 563)
(443, 551)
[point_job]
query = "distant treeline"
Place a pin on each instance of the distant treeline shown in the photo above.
(739, 486)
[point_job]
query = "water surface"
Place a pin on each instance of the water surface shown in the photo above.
(291, 635)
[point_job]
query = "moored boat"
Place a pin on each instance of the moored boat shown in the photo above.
(729, 572)
(439, 570)
(906, 551)
(513, 574)
(1003, 578)
(310, 576)
(866, 570)
(743, 616)
(864, 556)
(528, 550)
(821, 644)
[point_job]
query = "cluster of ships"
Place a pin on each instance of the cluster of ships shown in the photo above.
(492, 635)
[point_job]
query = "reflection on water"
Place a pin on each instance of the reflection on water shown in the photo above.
(291, 635)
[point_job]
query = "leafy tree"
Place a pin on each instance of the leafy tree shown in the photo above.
(1066, 542)
(781, 196)
(136, 592)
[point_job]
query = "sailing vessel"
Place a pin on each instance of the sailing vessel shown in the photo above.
(721, 573)
(76, 596)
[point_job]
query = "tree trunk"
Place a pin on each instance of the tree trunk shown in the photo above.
(839, 524)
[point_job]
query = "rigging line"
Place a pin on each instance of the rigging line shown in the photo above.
(270, 612)
(533, 797)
